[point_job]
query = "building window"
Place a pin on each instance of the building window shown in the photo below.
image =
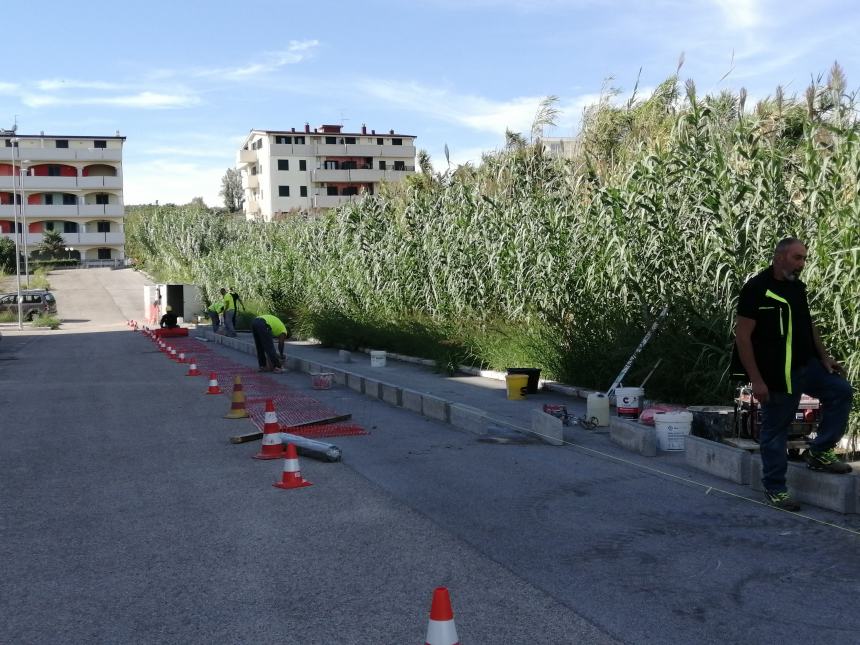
(283, 191)
(331, 139)
(382, 165)
(49, 199)
(397, 142)
(331, 165)
(62, 143)
(49, 226)
(283, 139)
(69, 199)
(350, 139)
(379, 141)
(253, 170)
(283, 164)
(99, 144)
(299, 141)
(331, 190)
(303, 191)
(303, 165)
(104, 254)
(9, 144)
(103, 227)
(350, 190)
(400, 165)
(53, 170)
(102, 198)
(70, 227)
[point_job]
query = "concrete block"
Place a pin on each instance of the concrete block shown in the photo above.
(292, 363)
(633, 436)
(354, 382)
(835, 492)
(344, 356)
(718, 459)
(339, 376)
(468, 418)
(372, 388)
(391, 394)
(548, 428)
(434, 407)
(411, 400)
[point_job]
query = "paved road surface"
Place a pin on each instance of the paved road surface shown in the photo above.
(126, 517)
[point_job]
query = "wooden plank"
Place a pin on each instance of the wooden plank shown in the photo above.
(255, 436)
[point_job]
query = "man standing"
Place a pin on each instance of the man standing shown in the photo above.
(778, 348)
(229, 309)
(265, 328)
(215, 315)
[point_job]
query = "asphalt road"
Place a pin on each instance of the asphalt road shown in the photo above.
(127, 517)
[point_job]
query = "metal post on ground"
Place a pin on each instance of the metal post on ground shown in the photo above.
(25, 232)
(15, 207)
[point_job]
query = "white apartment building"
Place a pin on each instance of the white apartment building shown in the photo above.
(69, 184)
(309, 170)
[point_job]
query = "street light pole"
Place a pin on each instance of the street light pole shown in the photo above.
(25, 233)
(15, 205)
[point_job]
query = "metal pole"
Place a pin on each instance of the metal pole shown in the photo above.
(24, 221)
(17, 245)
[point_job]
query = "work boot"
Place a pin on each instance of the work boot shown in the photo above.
(782, 500)
(826, 461)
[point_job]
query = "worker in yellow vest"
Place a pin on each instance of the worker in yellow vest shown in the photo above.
(265, 329)
(229, 310)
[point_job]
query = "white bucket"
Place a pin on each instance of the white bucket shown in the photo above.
(377, 359)
(321, 381)
(628, 401)
(672, 429)
(597, 409)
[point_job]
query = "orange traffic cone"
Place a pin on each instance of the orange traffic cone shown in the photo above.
(291, 478)
(192, 368)
(441, 629)
(237, 403)
(213, 384)
(272, 446)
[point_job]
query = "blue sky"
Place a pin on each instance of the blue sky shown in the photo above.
(186, 80)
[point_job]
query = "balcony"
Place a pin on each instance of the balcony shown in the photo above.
(250, 181)
(114, 183)
(101, 210)
(325, 174)
(75, 239)
(332, 201)
(99, 154)
(360, 175)
(34, 183)
(246, 157)
(61, 154)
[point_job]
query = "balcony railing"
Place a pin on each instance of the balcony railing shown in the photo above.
(33, 240)
(60, 154)
(42, 182)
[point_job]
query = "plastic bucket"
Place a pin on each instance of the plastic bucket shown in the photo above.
(628, 401)
(377, 359)
(597, 409)
(517, 386)
(534, 377)
(321, 381)
(672, 429)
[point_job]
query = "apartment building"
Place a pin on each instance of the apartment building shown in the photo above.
(69, 184)
(309, 170)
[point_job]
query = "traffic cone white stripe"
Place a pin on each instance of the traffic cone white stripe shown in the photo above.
(271, 417)
(441, 632)
(291, 465)
(272, 439)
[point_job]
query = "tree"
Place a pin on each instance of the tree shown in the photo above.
(52, 245)
(198, 204)
(7, 255)
(231, 190)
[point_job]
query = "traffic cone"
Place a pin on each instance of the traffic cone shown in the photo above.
(181, 357)
(173, 353)
(291, 478)
(213, 384)
(192, 368)
(441, 629)
(272, 446)
(237, 403)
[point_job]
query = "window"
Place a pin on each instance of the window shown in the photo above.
(382, 165)
(303, 191)
(303, 165)
(331, 139)
(283, 191)
(70, 227)
(331, 165)
(69, 199)
(350, 190)
(379, 141)
(350, 139)
(49, 199)
(283, 139)
(9, 144)
(299, 141)
(331, 190)
(103, 227)
(283, 164)
(49, 226)
(397, 142)
(99, 144)
(62, 143)
(102, 198)
(53, 170)
(104, 254)
(400, 165)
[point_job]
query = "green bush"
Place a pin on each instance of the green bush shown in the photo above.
(51, 322)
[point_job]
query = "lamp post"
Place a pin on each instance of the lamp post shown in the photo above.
(25, 231)
(15, 206)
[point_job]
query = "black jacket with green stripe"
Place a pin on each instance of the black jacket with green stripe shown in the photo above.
(782, 339)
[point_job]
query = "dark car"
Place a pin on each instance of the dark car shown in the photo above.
(34, 302)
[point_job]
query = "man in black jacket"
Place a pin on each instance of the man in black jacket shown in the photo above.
(780, 351)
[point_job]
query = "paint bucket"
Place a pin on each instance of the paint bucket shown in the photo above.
(517, 386)
(321, 381)
(377, 359)
(628, 401)
(534, 377)
(597, 409)
(672, 429)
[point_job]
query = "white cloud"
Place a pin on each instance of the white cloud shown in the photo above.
(296, 52)
(144, 100)
(741, 14)
(9, 88)
(53, 84)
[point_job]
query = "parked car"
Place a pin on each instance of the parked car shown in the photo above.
(35, 302)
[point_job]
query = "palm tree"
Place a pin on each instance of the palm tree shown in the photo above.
(52, 245)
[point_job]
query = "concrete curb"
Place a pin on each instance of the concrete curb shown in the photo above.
(633, 436)
(718, 459)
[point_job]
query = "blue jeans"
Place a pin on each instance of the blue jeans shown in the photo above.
(216, 321)
(228, 323)
(835, 394)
